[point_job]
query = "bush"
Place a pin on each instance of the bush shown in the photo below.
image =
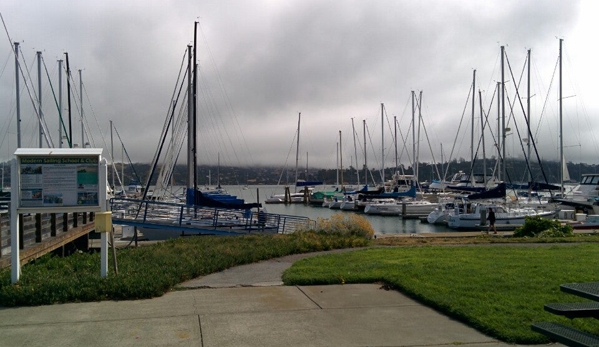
(346, 224)
(541, 227)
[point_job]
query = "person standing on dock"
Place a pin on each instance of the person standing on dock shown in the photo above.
(492, 221)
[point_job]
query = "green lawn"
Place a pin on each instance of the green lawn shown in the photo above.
(499, 290)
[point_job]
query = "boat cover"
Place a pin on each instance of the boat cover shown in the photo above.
(307, 183)
(493, 193)
(198, 198)
(542, 186)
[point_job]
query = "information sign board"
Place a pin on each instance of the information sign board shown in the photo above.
(69, 179)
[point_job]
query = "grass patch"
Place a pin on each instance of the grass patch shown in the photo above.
(151, 271)
(499, 290)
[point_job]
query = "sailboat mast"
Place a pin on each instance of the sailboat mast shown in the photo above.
(195, 106)
(306, 173)
(112, 155)
(472, 127)
(382, 144)
(299, 117)
(442, 164)
(498, 145)
(17, 93)
(417, 159)
(365, 163)
(482, 131)
(172, 145)
(503, 135)
(81, 105)
(69, 99)
(395, 142)
(561, 134)
(355, 151)
(413, 135)
(190, 173)
(122, 167)
(60, 104)
(341, 160)
(337, 163)
(39, 97)
(528, 114)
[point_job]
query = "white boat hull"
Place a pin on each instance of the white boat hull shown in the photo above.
(383, 209)
(437, 216)
(348, 206)
(473, 220)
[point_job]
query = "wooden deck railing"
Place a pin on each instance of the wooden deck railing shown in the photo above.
(42, 233)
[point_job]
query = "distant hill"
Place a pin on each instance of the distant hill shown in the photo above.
(516, 171)
(265, 175)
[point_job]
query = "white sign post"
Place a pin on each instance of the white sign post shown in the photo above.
(55, 180)
(15, 261)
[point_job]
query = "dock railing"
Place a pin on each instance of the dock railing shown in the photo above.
(203, 220)
(41, 233)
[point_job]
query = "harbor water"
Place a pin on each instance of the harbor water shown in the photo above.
(382, 225)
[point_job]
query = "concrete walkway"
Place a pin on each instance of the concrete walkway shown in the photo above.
(243, 306)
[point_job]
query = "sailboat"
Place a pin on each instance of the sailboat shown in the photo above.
(585, 196)
(340, 198)
(184, 127)
(307, 186)
(514, 216)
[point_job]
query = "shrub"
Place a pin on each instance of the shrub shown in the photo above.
(348, 224)
(540, 227)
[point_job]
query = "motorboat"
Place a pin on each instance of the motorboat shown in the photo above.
(393, 207)
(475, 216)
(590, 222)
(383, 206)
(443, 210)
(584, 196)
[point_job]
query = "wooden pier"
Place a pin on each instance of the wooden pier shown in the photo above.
(42, 233)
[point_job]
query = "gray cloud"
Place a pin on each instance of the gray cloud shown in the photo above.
(263, 62)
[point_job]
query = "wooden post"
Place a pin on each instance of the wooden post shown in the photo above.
(38, 227)
(65, 222)
(483, 217)
(287, 195)
(52, 224)
(75, 216)
(116, 267)
(21, 237)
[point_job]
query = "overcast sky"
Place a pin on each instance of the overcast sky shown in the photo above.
(263, 62)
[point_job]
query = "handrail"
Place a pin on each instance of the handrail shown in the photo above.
(161, 214)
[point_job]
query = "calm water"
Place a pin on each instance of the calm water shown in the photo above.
(381, 224)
